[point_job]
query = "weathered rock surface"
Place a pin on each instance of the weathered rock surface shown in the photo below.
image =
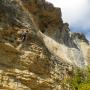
(49, 55)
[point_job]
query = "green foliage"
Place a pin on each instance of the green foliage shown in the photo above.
(84, 86)
(81, 80)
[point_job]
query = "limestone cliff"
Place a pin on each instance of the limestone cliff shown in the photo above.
(48, 57)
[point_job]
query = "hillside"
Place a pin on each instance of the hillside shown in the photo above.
(48, 57)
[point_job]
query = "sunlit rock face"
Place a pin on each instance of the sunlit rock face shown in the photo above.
(50, 22)
(50, 53)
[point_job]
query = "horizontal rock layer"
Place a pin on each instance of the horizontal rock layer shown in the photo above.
(49, 55)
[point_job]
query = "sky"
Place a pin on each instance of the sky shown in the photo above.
(76, 13)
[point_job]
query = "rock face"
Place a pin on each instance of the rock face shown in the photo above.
(50, 52)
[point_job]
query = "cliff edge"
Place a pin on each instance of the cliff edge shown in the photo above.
(46, 57)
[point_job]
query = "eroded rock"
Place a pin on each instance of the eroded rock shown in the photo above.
(49, 56)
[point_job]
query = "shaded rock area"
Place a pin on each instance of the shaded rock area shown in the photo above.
(49, 54)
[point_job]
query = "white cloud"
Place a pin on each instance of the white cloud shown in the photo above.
(75, 12)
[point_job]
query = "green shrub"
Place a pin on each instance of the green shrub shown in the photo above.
(81, 80)
(84, 86)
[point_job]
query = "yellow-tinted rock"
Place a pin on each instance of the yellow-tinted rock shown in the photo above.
(43, 61)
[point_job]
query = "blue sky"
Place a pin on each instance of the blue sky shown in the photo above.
(76, 13)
